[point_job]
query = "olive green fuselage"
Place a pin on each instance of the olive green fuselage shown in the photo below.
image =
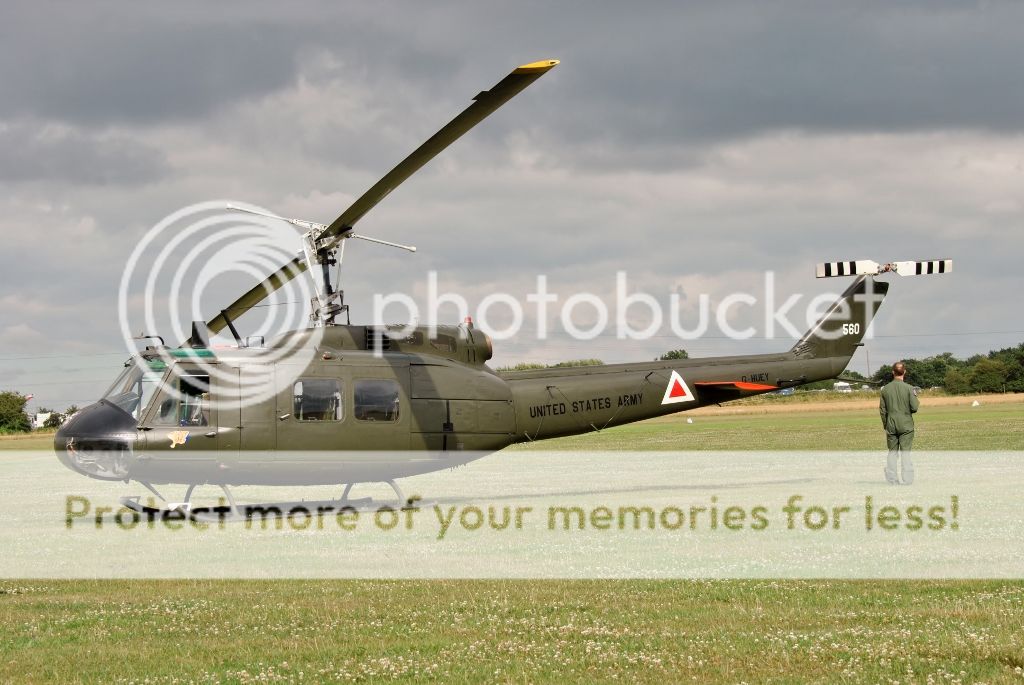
(378, 403)
(449, 411)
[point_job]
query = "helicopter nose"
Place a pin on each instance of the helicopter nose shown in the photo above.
(97, 441)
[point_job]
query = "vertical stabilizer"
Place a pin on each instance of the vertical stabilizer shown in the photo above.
(839, 332)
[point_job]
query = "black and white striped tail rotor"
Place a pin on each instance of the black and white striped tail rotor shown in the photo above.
(866, 267)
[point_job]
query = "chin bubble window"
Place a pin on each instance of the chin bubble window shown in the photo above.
(317, 399)
(376, 400)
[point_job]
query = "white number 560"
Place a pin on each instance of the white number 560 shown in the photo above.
(851, 329)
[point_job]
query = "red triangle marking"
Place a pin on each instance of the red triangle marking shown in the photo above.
(677, 390)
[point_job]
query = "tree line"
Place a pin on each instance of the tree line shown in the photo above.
(14, 418)
(998, 371)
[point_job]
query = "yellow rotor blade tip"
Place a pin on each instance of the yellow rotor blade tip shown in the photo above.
(533, 67)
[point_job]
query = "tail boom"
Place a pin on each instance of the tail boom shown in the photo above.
(557, 402)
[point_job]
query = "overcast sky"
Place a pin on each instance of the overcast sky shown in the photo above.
(693, 145)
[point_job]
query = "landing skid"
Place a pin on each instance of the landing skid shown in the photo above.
(232, 511)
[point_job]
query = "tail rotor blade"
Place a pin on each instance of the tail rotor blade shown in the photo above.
(861, 267)
(923, 268)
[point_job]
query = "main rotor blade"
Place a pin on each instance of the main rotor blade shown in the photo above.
(257, 294)
(484, 104)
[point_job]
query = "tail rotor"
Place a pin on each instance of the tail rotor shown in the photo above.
(866, 267)
(840, 331)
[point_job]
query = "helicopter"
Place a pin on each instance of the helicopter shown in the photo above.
(376, 403)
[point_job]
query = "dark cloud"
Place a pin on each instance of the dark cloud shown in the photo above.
(58, 153)
(103, 64)
(111, 63)
(635, 75)
(639, 81)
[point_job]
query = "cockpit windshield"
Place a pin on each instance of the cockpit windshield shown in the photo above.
(135, 385)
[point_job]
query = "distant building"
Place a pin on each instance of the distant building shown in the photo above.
(841, 386)
(39, 419)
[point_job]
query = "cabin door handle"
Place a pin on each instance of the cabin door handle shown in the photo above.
(284, 416)
(211, 434)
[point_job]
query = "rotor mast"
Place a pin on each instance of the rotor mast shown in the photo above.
(321, 251)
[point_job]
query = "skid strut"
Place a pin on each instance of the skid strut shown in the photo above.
(399, 501)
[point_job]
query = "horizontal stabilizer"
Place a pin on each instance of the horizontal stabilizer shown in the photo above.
(737, 385)
(714, 392)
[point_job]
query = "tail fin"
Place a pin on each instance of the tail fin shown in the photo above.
(840, 331)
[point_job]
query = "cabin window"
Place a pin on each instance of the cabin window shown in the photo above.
(189, 405)
(317, 399)
(376, 400)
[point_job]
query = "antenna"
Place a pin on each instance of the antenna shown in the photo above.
(866, 267)
(143, 336)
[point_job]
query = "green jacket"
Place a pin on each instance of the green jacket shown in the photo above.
(897, 406)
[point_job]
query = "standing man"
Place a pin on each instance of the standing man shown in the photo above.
(897, 407)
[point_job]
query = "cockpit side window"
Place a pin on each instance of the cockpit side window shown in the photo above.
(189, 406)
(317, 399)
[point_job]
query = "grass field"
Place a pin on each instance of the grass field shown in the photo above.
(469, 631)
(988, 427)
(546, 631)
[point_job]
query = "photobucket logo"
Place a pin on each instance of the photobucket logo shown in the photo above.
(185, 259)
(504, 316)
